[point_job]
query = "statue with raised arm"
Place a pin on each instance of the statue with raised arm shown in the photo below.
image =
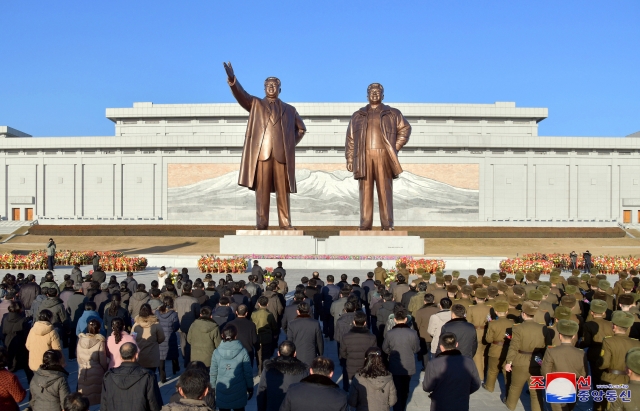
(375, 135)
(269, 154)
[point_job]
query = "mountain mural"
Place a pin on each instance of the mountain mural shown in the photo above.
(323, 196)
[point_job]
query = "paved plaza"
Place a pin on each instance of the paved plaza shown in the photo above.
(419, 400)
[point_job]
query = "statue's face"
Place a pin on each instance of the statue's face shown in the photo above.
(271, 89)
(375, 95)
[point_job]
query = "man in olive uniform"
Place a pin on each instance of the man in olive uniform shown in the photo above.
(498, 336)
(632, 361)
(604, 286)
(594, 332)
(565, 357)
(561, 313)
(478, 315)
(614, 349)
(528, 344)
(438, 291)
(380, 273)
(514, 312)
(531, 284)
(465, 294)
(535, 297)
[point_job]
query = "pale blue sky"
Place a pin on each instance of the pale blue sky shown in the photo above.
(64, 62)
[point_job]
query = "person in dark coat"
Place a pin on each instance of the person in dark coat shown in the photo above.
(102, 298)
(15, 329)
(450, 377)
(209, 398)
(316, 392)
(247, 332)
(406, 297)
(130, 387)
(258, 272)
(354, 345)
(132, 284)
(464, 331)
(291, 311)
(278, 375)
(76, 274)
(168, 319)
(223, 314)
(305, 333)
(28, 293)
(115, 309)
(99, 276)
(401, 344)
(330, 293)
(280, 270)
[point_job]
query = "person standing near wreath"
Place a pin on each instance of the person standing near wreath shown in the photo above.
(268, 160)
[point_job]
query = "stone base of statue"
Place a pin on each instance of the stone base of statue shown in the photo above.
(267, 242)
(374, 243)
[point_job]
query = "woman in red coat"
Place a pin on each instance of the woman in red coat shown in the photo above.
(11, 391)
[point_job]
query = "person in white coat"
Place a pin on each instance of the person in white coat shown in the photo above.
(437, 320)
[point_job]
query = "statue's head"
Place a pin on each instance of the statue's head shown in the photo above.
(272, 87)
(375, 93)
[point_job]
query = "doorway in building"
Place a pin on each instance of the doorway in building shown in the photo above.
(29, 213)
(15, 214)
(626, 216)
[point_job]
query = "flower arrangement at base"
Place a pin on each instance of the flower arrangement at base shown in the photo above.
(429, 266)
(37, 260)
(391, 276)
(513, 265)
(212, 264)
(604, 264)
(268, 275)
(173, 275)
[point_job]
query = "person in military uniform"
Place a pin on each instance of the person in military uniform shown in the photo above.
(565, 357)
(532, 284)
(438, 291)
(465, 297)
(604, 286)
(380, 273)
(528, 343)
(472, 279)
(625, 302)
(614, 349)
(632, 361)
(541, 317)
(495, 277)
(498, 336)
(514, 312)
(510, 282)
(502, 292)
(478, 315)
(555, 286)
(595, 331)
(561, 313)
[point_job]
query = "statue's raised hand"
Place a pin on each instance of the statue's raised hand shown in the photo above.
(229, 69)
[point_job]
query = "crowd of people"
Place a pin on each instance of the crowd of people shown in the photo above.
(462, 332)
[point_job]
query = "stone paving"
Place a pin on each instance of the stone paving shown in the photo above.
(419, 400)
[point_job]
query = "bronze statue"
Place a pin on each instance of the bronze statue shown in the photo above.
(268, 157)
(375, 135)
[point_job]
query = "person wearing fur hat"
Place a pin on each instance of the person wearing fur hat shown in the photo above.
(632, 361)
(615, 348)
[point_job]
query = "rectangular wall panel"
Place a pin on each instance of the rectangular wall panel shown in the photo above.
(594, 192)
(98, 198)
(552, 192)
(59, 190)
(138, 190)
(509, 192)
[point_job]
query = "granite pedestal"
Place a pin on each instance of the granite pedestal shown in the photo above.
(268, 242)
(374, 243)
